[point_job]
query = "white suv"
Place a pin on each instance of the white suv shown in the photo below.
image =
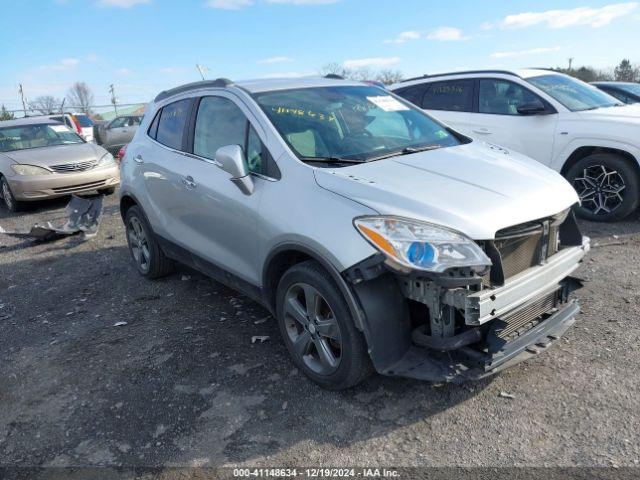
(568, 125)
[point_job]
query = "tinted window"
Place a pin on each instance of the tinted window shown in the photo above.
(455, 95)
(414, 93)
(502, 97)
(254, 155)
(618, 94)
(172, 122)
(118, 122)
(219, 123)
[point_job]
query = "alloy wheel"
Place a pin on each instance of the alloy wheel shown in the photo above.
(312, 329)
(139, 244)
(600, 189)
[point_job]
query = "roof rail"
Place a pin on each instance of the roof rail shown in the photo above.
(334, 76)
(218, 83)
(502, 72)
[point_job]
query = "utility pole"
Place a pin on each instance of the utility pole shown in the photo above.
(112, 91)
(570, 62)
(201, 69)
(24, 102)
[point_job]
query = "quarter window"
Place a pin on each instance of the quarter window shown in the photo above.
(413, 93)
(502, 97)
(172, 122)
(455, 96)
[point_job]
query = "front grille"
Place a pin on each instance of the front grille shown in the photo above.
(519, 253)
(526, 317)
(74, 167)
(79, 188)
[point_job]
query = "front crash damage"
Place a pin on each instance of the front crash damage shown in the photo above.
(459, 325)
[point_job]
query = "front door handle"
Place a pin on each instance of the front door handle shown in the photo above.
(482, 131)
(138, 159)
(189, 183)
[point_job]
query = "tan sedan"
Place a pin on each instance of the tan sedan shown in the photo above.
(41, 158)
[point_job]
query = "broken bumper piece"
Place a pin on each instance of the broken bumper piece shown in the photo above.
(82, 216)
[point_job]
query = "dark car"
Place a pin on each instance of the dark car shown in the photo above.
(627, 92)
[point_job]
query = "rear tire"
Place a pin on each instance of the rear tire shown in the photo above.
(608, 187)
(148, 257)
(10, 201)
(318, 330)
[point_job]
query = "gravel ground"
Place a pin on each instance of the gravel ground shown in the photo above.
(181, 384)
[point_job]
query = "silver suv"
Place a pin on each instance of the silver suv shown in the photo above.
(377, 237)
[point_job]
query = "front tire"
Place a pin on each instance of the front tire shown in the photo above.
(148, 257)
(318, 330)
(607, 185)
(10, 201)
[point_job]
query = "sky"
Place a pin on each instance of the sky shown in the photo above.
(145, 46)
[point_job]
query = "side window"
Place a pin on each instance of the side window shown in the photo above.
(118, 122)
(502, 97)
(454, 95)
(134, 121)
(219, 122)
(619, 95)
(413, 93)
(153, 129)
(172, 122)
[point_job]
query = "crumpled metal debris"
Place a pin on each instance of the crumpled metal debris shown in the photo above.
(82, 216)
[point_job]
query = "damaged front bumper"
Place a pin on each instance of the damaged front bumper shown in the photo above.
(478, 330)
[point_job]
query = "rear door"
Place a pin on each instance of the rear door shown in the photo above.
(451, 101)
(116, 132)
(497, 119)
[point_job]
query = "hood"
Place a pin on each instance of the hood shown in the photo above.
(624, 113)
(47, 156)
(476, 188)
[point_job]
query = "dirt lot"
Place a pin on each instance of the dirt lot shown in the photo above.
(182, 384)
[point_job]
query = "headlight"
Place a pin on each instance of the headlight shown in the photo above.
(106, 160)
(422, 246)
(29, 170)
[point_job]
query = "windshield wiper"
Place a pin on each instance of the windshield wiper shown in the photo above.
(331, 160)
(405, 151)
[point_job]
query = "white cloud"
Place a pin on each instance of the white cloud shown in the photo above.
(371, 62)
(594, 17)
(446, 34)
(272, 60)
(486, 26)
(124, 72)
(229, 4)
(64, 64)
(405, 37)
(121, 3)
(522, 53)
(304, 2)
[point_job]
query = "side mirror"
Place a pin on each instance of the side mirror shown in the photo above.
(532, 108)
(231, 159)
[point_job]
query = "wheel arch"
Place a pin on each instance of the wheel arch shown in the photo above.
(285, 256)
(584, 151)
(126, 202)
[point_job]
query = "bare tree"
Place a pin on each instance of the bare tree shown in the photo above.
(5, 114)
(389, 77)
(364, 73)
(46, 104)
(81, 97)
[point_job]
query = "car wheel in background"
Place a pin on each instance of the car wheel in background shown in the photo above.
(317, 328)
(10, 202)
(148, 257)
(107, 191)
(607, 186)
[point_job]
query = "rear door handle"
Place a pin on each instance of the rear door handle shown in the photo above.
(189, 183)
(138, 159)
(482, 131)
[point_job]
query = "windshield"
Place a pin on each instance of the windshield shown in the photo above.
(573, 94)
(357, 123)
(23, 137)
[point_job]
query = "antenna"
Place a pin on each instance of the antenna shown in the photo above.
(201, 69)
